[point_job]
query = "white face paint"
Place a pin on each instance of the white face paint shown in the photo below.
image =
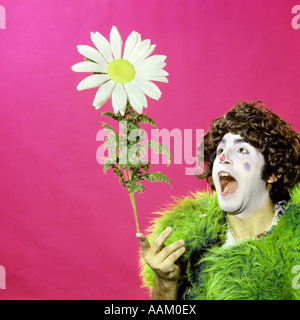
(237, 176)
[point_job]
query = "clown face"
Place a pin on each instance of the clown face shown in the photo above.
(237, 172)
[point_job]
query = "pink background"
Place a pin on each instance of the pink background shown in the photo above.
(67, 230)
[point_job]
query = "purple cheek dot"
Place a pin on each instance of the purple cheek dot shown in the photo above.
(247, 166)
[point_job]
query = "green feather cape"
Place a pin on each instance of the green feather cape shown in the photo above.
(264, 269)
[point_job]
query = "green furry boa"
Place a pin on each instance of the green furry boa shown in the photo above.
(258, 269)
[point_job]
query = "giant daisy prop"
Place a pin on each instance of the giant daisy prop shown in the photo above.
(121, 77)
(127, 78)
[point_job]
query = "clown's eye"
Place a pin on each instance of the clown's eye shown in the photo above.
(242, 150)
(219, 151)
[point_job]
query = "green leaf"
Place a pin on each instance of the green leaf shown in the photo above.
(158, 176)
(118, 172)
(112, 115)
(135, 186)
(140, 176)
(146, 166)
(145, 119)
(160, 148)
(108, 127)
(132, 125)
(107, 165)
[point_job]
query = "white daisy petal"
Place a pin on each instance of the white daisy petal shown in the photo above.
(149, 72)
(130, 44)
(92, 81)
(159, 66)
(102, 45)
(139, 51)
(93, 54)
(87, 66)
(146, 70)
(119, 99)
(146, 54)
(156, 60)
(149, 88)
(136, 97)
(153, 78)
(160, 79)
(116, 43)
(103, 94)
(139, 38)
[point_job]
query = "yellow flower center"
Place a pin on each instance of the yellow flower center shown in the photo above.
(120, 71)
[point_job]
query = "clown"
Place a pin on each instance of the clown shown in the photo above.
(242, 241)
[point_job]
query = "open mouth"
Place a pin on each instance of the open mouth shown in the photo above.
(228, 183)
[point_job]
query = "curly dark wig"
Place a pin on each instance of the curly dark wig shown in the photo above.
(264, 130)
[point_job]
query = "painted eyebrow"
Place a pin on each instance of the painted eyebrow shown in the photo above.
(235, 141)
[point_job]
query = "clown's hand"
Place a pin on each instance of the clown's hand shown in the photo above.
(161, 258)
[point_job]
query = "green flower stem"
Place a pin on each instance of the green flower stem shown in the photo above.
(131, 195)
(134, 210)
